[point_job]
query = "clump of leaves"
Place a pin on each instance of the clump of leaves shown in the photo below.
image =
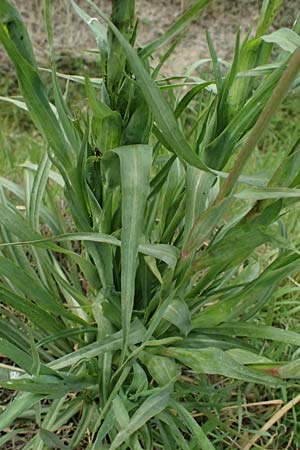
(150, 272)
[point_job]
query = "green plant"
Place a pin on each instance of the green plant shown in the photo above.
(151, 270)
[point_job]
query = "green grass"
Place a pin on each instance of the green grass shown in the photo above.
(20, 140)
(149, 283)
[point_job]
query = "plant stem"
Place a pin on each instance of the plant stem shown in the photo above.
(123, 17)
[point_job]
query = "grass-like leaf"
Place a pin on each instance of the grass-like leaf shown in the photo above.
(135, 275)
(155, 404)
(135, 164)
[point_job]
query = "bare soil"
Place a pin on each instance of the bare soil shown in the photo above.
(221, 18)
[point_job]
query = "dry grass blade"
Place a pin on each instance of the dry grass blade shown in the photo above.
(275, 418)
(10, 368)
(266, 403)
(255, 404)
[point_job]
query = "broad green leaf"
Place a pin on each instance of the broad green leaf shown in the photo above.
(97, 28)
(96, 82)
(21, 358)
(287, 171)
(109, 344)
(225, 252)
(46, 216)
(161, 110)
(65, 334)
(178, 314)
(201, 339)
(198, 185)
(139, 381)
(33, 90)
(38, 190)
(216, 64)
(243, 356)
(106, 123)
(135, 161)
(267, 193)
(169, 254)
(268, 12)
(87, 416)
(14, 101)
(13, 221)
(208, 269)
(63, 112)
(120, 412)
(219, 150)
(104, 429)
(33, 312)
(215, 361)
(204, 225)
(253, 52)
(11, 435)
(247, 302)
(171, 433)
(50, 386)
(166, 253)
(52, 441)
(255, 331)
(151, 407)
(198, 434)
(290, 370)
(16, 30)
(35, 290)
(189, 96)
(259, 70)
(162, 369)
(21, 403)
(36, 362)
(12, 187)
(286, 39)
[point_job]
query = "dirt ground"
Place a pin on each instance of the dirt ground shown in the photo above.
(221, 18)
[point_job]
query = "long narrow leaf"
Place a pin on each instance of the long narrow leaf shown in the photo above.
(176, 28)
(161, 110)
(135, 163)
(155, 404)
